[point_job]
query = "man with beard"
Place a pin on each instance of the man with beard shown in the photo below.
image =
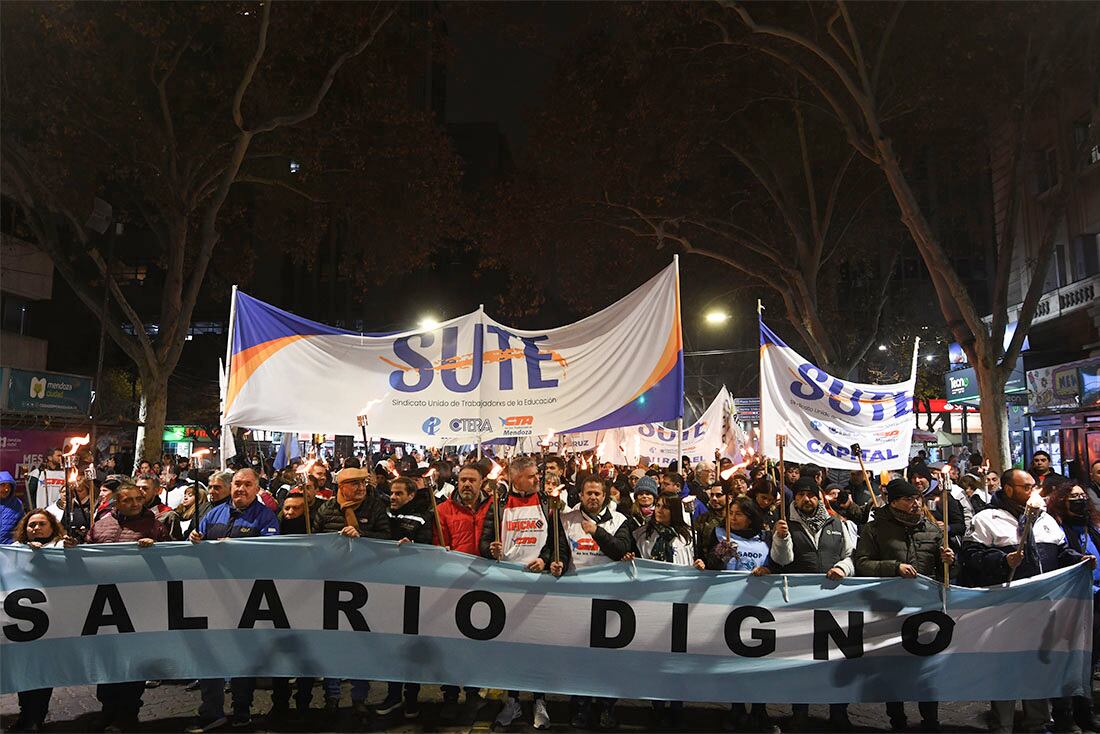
(716, 509)
(813, 541)
(461, 517)
(902, 541)
(150, 485)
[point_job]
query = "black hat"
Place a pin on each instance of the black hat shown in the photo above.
(898, 488)
(805, 484)
(920, 470)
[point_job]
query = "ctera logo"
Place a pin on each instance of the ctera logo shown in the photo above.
(38, 387)
(431, 426)
(471, 425)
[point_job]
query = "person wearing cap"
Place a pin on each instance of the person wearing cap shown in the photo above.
(243, 516)
(902, 541)
(354, 512)
(813, 541)
(927, 480)
(11, 508)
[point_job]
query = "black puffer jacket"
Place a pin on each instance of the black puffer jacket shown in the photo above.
(414, 520)
(885, 543)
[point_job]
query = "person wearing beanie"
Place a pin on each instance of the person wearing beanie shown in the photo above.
(645, 499)
(902, 541)
(813, 541)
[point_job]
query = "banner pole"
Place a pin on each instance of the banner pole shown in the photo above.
(946, 565)
(230, 332)
(680, 442)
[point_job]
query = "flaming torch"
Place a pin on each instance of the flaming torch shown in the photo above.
(491, 481)
(430, 476)
(555, 509)
(69, 459)
(781, 443)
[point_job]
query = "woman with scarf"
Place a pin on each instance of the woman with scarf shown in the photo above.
(665, 537)
(191, 507)
(1070, 506)
(645, 501)
(746, 549)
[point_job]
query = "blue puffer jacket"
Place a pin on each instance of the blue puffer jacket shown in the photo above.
(11, 512)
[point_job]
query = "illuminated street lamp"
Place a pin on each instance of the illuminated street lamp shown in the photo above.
(427, 322)
(716, 317)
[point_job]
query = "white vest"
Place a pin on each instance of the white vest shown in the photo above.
(523, 533)
(586, 552)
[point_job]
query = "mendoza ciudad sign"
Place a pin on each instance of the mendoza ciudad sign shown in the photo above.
(343, 607)
(50, 393)
(467, 377)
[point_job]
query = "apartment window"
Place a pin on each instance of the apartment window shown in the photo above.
(1085, 256)
(1046, 170)
(1082, 130)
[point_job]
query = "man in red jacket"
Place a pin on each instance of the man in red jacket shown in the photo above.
(464, 513)
(462, 517)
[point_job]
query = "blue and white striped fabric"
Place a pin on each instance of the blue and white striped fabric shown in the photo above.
(356, 608)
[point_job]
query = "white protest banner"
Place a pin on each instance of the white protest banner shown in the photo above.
(52, 483)
(698, 441)
(823, 416)
(466, 377)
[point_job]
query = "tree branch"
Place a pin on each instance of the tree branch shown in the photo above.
(250, 70)
(276, 183)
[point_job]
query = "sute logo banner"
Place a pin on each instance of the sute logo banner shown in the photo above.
(469, 376)
(822, 416)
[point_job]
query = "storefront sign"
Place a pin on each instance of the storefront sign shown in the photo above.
(27, 448)
(1064, 386)
(962, 385)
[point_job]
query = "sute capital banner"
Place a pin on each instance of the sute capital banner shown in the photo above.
(343, 607)
(468, 377)
(822, 416)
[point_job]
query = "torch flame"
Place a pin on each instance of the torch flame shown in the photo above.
(305, 467)
(727, 473)
(200, 452)
(1035, 501)
(688, 499)
(73, 475)
(495, 471)
(554, 491)
(75, 442)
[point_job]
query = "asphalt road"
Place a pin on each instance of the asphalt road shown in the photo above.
(170, 708)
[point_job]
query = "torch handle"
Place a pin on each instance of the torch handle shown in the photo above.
(946, 565)
(557, 549)
(867, 479)
(496, 516)
(782, 488)
(435, 514)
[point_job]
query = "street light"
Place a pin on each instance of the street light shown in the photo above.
(427, 322)
(882, 347)
(716, 317)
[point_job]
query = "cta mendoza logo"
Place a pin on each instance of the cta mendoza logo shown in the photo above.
(431, 426)
(38, 387)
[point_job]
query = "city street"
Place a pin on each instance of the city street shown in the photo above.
(170, 708)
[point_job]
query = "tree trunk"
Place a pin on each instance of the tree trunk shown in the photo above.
(151, 416)
(993, 410)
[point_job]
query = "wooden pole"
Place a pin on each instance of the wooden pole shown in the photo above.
(946, 565)
(781, 442)
(867, 479)
(435, 514)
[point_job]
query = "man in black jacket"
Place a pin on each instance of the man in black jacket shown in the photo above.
(410, 522)
(901, 541)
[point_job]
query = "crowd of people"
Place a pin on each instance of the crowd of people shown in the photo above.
(710, 516)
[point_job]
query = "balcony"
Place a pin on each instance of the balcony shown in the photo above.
(1066, 299)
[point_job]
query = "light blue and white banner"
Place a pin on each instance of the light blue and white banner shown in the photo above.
(356, 608)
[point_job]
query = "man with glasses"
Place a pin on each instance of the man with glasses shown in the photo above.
(901, 541)
(994, 552)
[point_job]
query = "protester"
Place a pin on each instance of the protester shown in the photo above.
(129, 521)
(923, 478)
(665, 537)
(292, 521)
(171, 485)
(217, 493)
(354, 512)
(463, 514)
(901, 541)
(645, 498)
(1070, 506)
(37, 529)
(461, 518)
(766, 498)
(11, 508)
(716, 511)
(243, 516)
(191, 507)
(319, 481)
(1043, 472)
(526, 536)
(995, 552)
(150, 485)
(411, 521)
(554, 476)
(813, 542)
(75, 515)
(702, 477)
